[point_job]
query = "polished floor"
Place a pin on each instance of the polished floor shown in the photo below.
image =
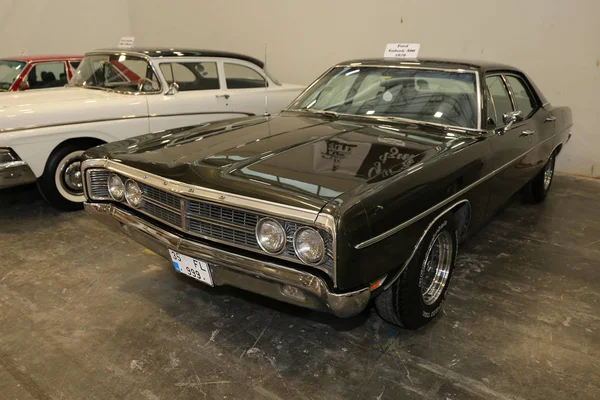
(85, 314)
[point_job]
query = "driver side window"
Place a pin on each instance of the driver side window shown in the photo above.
(500, 99)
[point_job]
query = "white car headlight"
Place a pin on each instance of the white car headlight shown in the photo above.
(309, 245)
(133, 194)
(116, 188)
(270, 235)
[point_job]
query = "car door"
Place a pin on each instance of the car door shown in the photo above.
(511, 141)
(197, 99)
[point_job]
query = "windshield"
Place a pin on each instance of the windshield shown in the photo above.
(426, 95)
(120, 72)
(9, 71)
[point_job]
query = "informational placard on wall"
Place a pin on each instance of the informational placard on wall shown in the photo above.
(22, 52)
(402, 50)
(126, 42)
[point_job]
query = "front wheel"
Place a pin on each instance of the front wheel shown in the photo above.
(61, 185)
(417, 295)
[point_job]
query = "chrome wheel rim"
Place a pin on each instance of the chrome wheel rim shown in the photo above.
(72, 177)
(68, 179)
(436, 268)
(548, 173)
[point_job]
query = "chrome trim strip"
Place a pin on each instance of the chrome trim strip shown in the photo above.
(425, 213)
(125, 117)
(391, 281)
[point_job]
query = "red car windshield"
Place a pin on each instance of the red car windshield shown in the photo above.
(9, 71)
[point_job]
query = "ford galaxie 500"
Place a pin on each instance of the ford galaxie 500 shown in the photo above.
(116, 94)
(362, 189)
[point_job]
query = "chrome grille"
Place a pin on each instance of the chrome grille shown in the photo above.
(208, 220)
(162, 213)
(97, 184)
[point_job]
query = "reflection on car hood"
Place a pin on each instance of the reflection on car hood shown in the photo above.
(296, 160)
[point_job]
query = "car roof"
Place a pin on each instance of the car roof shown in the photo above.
(154, 52)
(42, 58)
(434, 63)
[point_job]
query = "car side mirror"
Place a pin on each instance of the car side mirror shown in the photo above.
(173, 89)
(510, 118)
(23, 85)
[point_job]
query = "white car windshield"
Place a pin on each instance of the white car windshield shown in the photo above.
(118, 72)
(423, 95)
(9, 71)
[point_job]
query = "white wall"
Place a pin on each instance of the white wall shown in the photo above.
(61, 26)
(307, 36)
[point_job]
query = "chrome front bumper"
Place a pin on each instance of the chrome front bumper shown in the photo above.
(266, 278)
(15, 173)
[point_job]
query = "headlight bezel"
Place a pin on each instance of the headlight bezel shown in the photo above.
(131, 183)
(257, 235)
(110, 192)
(322, 243)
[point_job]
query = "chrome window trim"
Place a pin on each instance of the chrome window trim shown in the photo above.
(479, 106)
(289, 213)
(425, 213)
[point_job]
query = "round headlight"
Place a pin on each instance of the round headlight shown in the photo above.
(270, 235)
(116, 187)
(133, 194)
(309, 245)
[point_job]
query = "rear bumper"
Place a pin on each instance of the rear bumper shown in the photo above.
(15, 173)
(227, 268)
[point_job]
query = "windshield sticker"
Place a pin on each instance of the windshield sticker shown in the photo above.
(388, 96)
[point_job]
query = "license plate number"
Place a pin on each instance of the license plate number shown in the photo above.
(192, 267)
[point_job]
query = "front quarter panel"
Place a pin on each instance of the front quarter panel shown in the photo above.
(445, 180)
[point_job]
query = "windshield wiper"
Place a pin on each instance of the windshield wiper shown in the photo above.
(331, 114)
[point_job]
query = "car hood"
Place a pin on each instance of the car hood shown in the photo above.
(297, 160)
(64, 105)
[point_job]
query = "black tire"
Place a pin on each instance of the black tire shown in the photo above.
(62, 198)
(403, 303)
(538, 188)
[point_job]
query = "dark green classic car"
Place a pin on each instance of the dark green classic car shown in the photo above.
(362, 189)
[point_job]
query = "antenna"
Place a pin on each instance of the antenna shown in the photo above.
(266, 85)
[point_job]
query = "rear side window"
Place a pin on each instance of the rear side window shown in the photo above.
(192, 75)
(523, 96)
(47, 75)
(241, 77)
(500, 98)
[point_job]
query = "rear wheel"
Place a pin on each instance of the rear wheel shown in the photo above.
(61, 184)
(417, 296)
(537, 189)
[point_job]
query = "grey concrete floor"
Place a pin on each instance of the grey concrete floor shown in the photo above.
(85, 314)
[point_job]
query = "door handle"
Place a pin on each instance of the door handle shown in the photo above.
(527, 132)
(223, 96)
(551, 118)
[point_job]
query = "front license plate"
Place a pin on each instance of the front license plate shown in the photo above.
(197, 269)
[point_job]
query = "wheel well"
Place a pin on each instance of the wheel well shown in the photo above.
(558, 149)
(462, 218)
(84, 142)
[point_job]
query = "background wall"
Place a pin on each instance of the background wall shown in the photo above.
(555, 42)
(61, 26)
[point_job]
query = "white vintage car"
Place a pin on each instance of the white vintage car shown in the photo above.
(116, 94)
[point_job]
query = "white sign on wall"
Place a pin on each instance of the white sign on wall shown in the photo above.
(22, 52)
(402, 50)
(126, 42)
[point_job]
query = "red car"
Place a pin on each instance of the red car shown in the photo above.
(29, 72)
